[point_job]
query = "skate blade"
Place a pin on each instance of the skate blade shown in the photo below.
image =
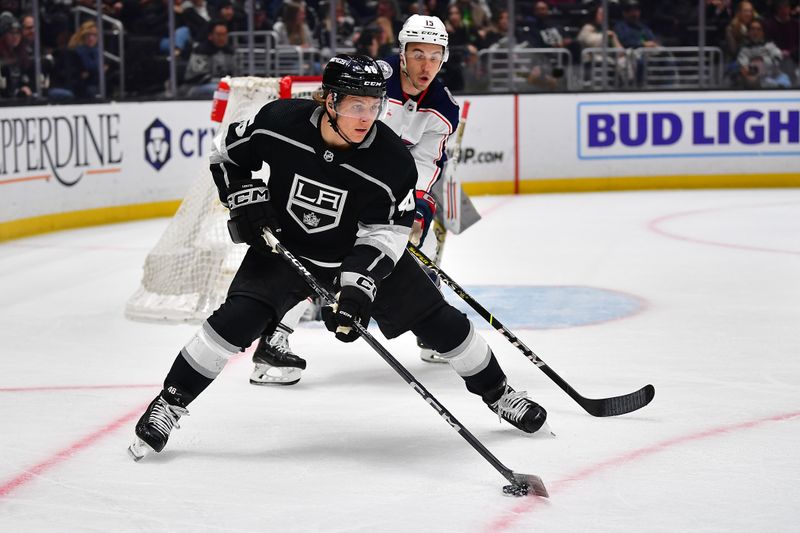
(431, 356)
(274, 375)
(139, 449)
(545, 430)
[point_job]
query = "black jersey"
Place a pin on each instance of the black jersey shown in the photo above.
(336, 207)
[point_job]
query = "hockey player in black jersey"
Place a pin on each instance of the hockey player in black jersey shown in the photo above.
(338, 207)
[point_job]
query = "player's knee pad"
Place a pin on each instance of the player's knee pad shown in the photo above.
(450, 332)
(207, 352)
(470, 357)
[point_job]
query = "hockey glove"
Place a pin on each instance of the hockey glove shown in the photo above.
(251, 213)
(423, 216)
(352, 305)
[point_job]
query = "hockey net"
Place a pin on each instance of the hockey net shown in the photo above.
(187, 273)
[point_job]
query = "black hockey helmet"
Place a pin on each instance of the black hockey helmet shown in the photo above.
(354, 75)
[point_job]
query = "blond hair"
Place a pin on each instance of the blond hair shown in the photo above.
(78, 37)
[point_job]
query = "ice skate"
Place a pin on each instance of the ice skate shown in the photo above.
(520, 411)
(275, 364)
(428, 354)
(155, 425)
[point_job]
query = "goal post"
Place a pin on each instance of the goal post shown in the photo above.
(187, 273)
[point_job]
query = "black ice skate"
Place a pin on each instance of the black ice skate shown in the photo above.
(275, 362)
(519, 410)
(155, 425)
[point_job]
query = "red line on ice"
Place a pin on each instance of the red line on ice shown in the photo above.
(66, 453)
(69, 451)
(655, 226)
(510, 516)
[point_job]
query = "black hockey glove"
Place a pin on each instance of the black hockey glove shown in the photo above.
(353, 305)
(251, 213)
(423, 216)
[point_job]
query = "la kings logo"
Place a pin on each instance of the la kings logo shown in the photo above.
(315, 206)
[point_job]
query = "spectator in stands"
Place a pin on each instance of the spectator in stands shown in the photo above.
(719, 14)
(474, 14)
(27, 49)
(783, 30)
(345, 25)
(292, 28)
(210, 61)
(591, 36)
(14, 81)
(65, 79)
(386, 37)
(196, 17)
(631, 31)
(543, 32)
(497, 33)
(183, 33)
(737, 30)
(435, 8)
(759, 61)
(368, 43)
(465, 41)
(28, 32)
(388, 10)
(591, 33)
(84, 43)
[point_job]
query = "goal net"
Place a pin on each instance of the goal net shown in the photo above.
(187, 274)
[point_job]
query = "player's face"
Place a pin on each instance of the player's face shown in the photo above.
(356, 114)
(423, 61)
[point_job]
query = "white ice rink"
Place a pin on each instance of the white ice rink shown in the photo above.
(714, 278)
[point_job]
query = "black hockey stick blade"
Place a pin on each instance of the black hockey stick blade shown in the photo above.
(534, 482)
(524, 484)
(619, 405)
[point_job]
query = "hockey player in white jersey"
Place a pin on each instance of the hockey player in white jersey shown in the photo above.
(422, 112)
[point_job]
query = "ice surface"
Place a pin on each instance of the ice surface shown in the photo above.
(716, 328)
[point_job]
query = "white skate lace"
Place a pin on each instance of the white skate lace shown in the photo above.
(280, 341)
(512, 404)
(164, 416)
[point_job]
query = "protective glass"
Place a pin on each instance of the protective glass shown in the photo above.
(362, 107)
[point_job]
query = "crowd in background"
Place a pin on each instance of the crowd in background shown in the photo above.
(759, 38)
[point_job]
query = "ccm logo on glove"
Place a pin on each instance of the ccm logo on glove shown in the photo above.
(249, 194)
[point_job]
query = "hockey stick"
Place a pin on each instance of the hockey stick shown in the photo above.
(520, 483)
(451, 185)
(618, 405)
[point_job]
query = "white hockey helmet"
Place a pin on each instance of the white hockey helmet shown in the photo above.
(424, 29)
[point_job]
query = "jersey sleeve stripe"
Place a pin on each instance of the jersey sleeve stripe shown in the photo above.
(389, 240)
(271, 134)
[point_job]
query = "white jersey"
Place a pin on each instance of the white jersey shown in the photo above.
(423, 123)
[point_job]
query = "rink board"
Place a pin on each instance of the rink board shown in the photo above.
(77, 165)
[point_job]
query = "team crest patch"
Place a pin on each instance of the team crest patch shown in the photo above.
(386, 69)
(315, 206)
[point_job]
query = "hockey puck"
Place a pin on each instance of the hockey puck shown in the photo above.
(517, 490)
